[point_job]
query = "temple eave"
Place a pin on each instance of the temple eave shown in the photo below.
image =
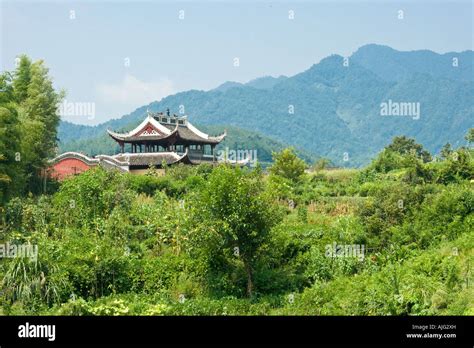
(176, 137)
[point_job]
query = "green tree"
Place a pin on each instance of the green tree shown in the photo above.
(458, 166)
(404, 145)
(42, 105)
(322, 163)
(234, 207)
(11, 176)
(446, 151)
(288, 165)
(37, 110)
(470, 136)
(417, 172)
(386, 161)
(22, 79)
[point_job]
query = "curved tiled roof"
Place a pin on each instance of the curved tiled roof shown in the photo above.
(148, 120)
(150, 158)
(190, 133)
(185, 132)
(127, 137)
(67, 155)
(124, 161)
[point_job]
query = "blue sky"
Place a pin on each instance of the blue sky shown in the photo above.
(87, 55)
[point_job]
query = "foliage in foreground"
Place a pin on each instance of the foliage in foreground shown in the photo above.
(227, 241)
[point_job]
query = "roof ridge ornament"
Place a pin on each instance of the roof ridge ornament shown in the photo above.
(166, 127)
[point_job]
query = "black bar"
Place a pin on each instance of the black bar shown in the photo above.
(346, 331)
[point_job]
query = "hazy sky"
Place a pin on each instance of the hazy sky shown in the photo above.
(87, 45)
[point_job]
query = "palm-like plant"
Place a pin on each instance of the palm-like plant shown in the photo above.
(26, 280)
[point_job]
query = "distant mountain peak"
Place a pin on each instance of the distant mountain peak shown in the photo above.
(335, 108)
(227, 85)
(374, 46)
(266, 82)
(393, 65)
(379, 48)
(329, 60)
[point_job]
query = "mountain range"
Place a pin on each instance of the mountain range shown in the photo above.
(333, 109)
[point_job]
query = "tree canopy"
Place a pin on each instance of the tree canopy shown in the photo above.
(28, 125)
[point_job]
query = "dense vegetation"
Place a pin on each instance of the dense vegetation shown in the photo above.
(330, 110)
(28, 127)
(227, 241)
(393, 238)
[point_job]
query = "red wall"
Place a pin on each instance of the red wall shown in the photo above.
(68, 166)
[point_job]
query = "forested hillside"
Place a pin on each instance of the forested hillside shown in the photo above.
(333, 109)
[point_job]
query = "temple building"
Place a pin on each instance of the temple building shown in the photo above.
(159, 139)
(164, 137)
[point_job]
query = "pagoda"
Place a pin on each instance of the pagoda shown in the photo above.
(164, 138)
(160, 139)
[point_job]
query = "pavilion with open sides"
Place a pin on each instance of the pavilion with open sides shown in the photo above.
(164, 137)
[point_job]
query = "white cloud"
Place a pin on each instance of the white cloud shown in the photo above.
(133, 92)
